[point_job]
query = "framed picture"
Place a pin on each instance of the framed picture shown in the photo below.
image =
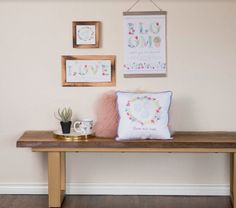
(86, 34)
(88, 71)
(145, 44)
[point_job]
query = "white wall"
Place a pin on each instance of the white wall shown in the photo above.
(202, 70)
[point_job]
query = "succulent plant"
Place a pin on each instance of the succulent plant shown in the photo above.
(64, 115)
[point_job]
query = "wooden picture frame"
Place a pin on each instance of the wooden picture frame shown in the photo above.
(86, 34)
(87, 71)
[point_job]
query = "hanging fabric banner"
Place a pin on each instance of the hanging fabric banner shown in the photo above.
(145, 43)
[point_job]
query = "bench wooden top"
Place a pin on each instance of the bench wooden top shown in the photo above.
(208, 140)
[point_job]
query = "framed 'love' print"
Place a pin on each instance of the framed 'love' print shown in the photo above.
(88, 71)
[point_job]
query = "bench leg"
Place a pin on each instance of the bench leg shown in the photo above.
(233, 179)
(63, 171)
(56, 178)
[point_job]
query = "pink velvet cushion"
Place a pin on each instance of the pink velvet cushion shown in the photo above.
(107, 116)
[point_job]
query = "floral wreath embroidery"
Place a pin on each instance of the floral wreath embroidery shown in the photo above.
(154, 119)
(86, 38)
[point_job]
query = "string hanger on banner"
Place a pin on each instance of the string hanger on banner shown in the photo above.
(135, 3)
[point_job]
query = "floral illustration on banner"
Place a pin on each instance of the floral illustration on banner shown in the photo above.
(145, 44)
(144, 38)
(143, 110)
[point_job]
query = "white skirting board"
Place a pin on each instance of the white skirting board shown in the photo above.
(121, 189)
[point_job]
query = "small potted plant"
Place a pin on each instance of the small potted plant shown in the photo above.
(64, 116)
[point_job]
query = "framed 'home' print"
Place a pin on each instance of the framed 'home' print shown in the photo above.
(88, 71)
(145, 44)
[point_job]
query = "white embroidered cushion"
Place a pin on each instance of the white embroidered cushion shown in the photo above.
(143, 115)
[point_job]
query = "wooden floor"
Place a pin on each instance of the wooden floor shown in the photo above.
(40, 201)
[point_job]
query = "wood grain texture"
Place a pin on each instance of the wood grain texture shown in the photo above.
(196, 140)
(131, 13)
(85, 201)
(232, 177)
(136, 150)
(55, 192)
(233, 180)
(63, 171)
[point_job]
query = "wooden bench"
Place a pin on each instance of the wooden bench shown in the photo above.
(184, 142)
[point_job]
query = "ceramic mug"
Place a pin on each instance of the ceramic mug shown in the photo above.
(84, 126)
